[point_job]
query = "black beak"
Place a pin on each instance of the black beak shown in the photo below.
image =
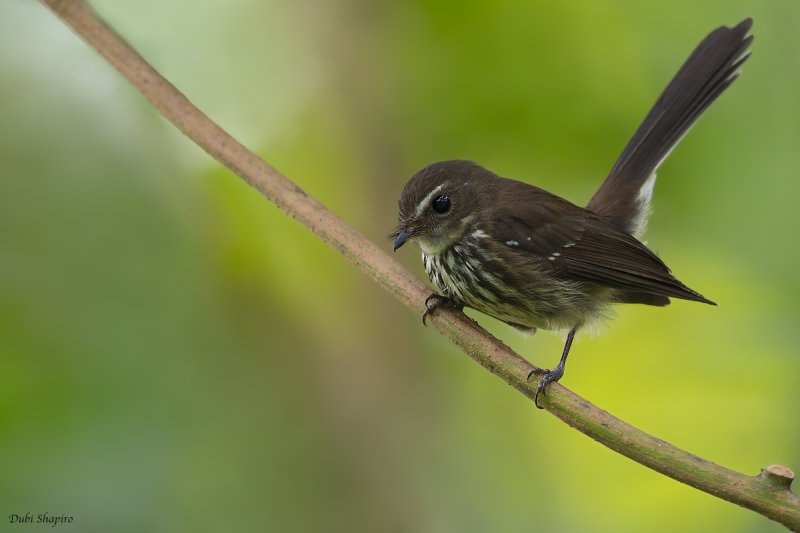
(402, 237)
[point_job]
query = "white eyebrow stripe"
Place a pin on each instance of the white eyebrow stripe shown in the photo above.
(425, 201)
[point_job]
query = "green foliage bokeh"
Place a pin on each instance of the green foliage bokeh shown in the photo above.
(177, 354)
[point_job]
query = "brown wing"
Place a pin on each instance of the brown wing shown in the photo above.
(575, 244)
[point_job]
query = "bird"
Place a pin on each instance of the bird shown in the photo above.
(534, 260)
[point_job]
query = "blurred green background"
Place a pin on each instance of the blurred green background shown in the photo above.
(176, 354)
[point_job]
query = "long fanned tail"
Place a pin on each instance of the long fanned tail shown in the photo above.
(624, 196)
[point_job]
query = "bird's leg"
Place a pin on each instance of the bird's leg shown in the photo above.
(435, 301)
(555, 374)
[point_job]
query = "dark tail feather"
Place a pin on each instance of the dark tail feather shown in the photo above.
(624, 196)
(629, 297)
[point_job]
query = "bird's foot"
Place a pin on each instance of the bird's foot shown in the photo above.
(555, 374)
(549, 377)
(435, 301)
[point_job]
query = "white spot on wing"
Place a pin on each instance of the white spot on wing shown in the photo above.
(512, 243)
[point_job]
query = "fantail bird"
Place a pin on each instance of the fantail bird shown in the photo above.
(534, 260)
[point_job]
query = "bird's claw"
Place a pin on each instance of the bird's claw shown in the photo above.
(549, 377)
(438, 301)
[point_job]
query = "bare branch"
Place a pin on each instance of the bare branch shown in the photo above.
(767, 493)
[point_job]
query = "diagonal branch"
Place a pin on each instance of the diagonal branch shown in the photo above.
(767, 493)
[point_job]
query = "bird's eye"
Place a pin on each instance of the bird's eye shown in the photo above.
(441, 204)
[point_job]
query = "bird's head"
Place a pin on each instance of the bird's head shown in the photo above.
(438, 204)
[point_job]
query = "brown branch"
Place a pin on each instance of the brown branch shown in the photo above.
(767, 493)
